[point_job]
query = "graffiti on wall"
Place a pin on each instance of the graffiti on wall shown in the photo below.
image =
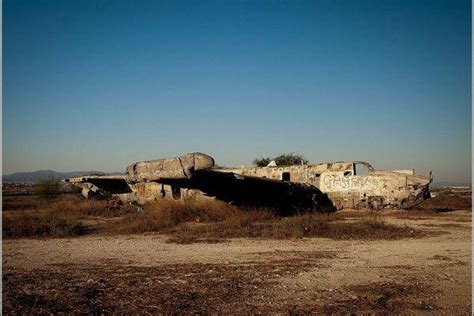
(336, 181)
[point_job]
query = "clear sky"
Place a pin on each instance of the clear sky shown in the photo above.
(102, 84)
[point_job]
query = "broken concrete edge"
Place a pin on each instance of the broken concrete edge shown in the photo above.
(181, 167)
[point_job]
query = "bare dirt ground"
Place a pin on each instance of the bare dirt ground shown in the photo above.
(149, 274)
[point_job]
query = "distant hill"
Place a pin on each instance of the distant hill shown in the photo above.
(34, 176)
(440, 184)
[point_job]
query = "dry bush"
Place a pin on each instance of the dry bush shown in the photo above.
(244, 223)
(67, 203)
(78, 207)
(48, 188)
(192, 220)
(447, 202)
(167, 214)
(21, 202)
(415, 214)
(40, 224)
(308, 225)
(58, 218)
(370, 229)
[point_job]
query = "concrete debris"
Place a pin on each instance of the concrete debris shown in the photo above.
(272, 164)
(181, 167)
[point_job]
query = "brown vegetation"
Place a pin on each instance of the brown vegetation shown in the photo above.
(129, 274)
(167, 289)
(196, 288)
(384, 298)
(21, 203)
(58, 218)
(190, 221)
(195, 221)
(49, 188)
(446, 202)
(167, 214)
(203, 220)
(40, 224)
(257, 225)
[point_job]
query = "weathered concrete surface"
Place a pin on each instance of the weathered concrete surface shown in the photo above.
(140, 192)
(171, 168)
(378, 188)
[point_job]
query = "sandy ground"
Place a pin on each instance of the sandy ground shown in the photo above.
(146, 274)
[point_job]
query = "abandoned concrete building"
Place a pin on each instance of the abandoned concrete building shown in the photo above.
(322, 186)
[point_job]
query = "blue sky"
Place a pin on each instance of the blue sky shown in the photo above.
(102, 84)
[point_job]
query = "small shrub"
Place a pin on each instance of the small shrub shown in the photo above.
(261, 224)
(290, 159)
(22, 202)
(262, 162)
(196, 221)
(40, 224)
(302, 226)
(281, 160)
(449, 202)
(167, 214)
(78, 207)
(60, 217)
(48, 188)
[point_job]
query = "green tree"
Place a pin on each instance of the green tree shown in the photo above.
(49, 187)
(261, 162)
(290, 159)
(282, 160)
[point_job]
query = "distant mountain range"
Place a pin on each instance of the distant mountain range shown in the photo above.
(34, 176)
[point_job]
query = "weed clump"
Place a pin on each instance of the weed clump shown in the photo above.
(300, 226)
(164, 215)
(48, 188)
(192, 221)
(40, 224)
(446, 202)
(61, 217)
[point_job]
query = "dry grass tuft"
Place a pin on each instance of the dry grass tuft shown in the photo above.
(301, 226)
(21, 203)
(447, 202)
(164, 215)
(58, 218)
(78, 207)
(40, 224)
(192, 221)
(371, 229)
